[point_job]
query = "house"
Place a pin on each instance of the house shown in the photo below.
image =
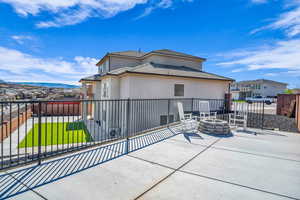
(158, 74)
(260, 87)
(296, 91)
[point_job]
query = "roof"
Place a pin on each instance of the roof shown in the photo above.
(171, 52)
(263, 80)
(129, 53)
(141, 55)
(168, 70)
(95, 77)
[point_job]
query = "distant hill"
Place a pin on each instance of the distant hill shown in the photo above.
(50, 85)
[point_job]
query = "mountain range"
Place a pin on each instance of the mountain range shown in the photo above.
(42, 84)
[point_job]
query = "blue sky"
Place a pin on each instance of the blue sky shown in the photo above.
(60, 41)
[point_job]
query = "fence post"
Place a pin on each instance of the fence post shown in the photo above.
(263, 116)
(192, 105)
(127, 126)
(39, 132)
(168, 117)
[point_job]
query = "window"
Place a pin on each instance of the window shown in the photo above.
(179, 90)
(104, 67)
(164, 119)
(105, 90)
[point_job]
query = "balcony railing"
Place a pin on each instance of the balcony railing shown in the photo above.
(31, 131)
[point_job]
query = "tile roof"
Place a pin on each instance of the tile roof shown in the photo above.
(171, 52)
(140, 54)
(129, 53)
(262, 80)
(168, 70)
(95, 77)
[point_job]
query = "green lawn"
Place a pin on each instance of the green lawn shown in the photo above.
(239, 101)
(57, 133)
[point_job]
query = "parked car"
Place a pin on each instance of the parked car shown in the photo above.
(268, 101)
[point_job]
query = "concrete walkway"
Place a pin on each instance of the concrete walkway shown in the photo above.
(167, 165)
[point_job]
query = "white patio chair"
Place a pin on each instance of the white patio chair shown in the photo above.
(239, 117)
(187, 120)
(205, 112)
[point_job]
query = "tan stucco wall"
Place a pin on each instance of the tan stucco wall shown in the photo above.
(141, 86)
(117, 62)
(97, 90)
(173, 61)
(124, 87)
(113, 84)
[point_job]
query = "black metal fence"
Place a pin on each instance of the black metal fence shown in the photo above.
(32, 131)
(255, 112)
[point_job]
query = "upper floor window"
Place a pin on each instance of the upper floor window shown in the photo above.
(179, 90)
(104, 67)
(100, 69)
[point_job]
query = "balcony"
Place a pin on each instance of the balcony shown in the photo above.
(145, 159)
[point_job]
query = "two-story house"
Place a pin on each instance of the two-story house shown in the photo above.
(157, 74)
(154, 75)
(260, 87)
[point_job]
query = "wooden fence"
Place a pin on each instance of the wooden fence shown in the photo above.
(298, 111)
(8, 127)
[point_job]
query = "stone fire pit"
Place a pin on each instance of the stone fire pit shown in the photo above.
(214, 126)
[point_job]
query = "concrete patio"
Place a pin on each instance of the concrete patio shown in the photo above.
(166, 164)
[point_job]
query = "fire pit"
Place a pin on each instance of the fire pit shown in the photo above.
(214, 126)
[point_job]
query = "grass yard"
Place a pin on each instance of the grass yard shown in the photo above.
(57, 133)
(239, 101)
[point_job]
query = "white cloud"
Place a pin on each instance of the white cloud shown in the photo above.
(284, 55)
(161, 4)
(19, 66)
(289, 21)
(238, 70)
(272, 74)
(69, 12)
(21, 38)
(259, 1)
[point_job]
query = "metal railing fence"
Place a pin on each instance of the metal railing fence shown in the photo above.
(31, 131)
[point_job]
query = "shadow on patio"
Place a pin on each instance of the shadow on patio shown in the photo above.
(20, 181)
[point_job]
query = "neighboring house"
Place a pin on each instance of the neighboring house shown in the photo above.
(261, 87)
(153, 75)
(296, 91)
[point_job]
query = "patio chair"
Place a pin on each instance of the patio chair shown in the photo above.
(239, 117)
(187, 120)
(205, 112)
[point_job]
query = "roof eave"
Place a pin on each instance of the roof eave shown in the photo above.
(103, 58)
(148, 54)
(130, 72)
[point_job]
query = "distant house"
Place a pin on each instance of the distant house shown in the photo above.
(296, 91)
(157, 74)
(259, 87)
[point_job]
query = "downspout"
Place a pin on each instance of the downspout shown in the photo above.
(109, 63)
